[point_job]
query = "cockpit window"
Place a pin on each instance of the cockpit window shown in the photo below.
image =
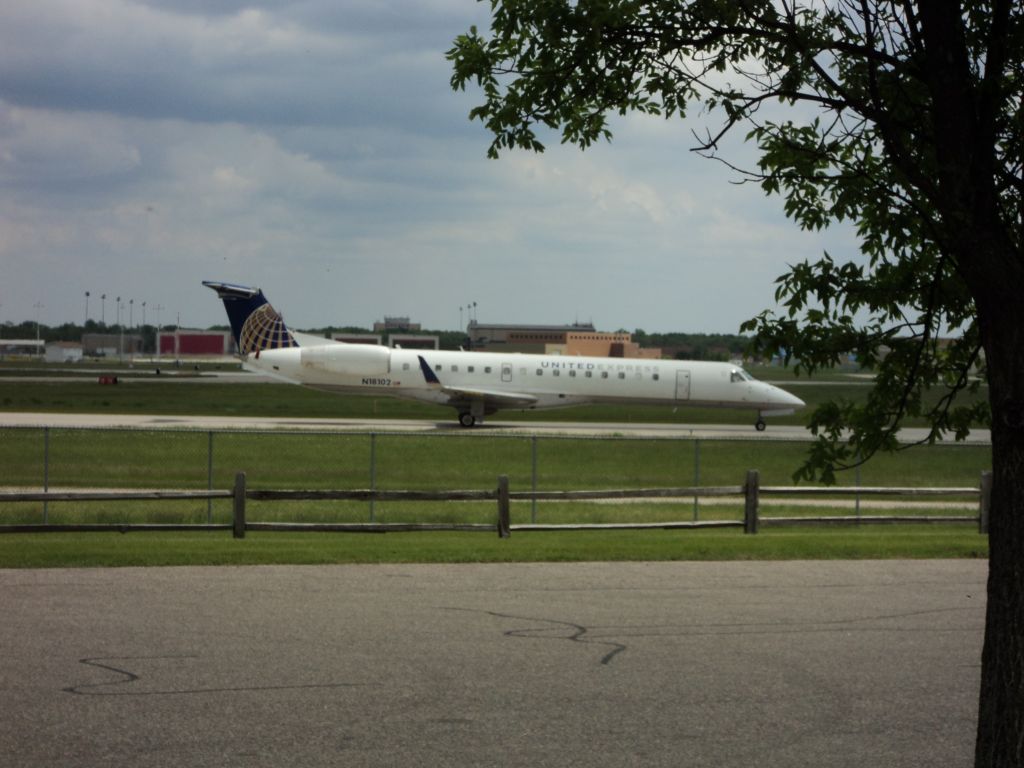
(738, 374)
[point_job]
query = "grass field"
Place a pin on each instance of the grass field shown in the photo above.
(152, 549)
(197, 460)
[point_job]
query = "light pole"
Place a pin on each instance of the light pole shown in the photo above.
(38, 305)
(86, 310)
(158, 307)
(120, 330)
(471, 325)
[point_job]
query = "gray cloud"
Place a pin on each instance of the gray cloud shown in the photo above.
(316, 149)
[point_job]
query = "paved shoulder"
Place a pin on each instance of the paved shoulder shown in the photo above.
(773, 664)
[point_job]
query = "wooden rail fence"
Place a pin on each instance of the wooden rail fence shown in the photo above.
(751, 491)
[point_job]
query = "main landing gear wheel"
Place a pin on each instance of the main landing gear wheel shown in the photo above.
(759, 425)
(467, 419)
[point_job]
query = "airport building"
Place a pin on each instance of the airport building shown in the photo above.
(414, 341)
(404, 340)
(63, 352)
(359, 338)
(191, 343)
(390, 324)
(21, 347)
(575, 339)
(111, 344)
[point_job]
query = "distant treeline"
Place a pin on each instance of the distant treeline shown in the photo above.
(679, 346)
(65, 332)
(695, 346)
(446, 339)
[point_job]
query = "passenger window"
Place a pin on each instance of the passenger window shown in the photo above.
(471, 368)
(572, 374)
(556, 372)
(540, 372)
(487, 369)
(604, 374)
(656, 377)
(622, 375)
(589, 375)
(405, 366)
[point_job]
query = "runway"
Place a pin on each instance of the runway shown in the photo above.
(777, 665)
(491, 427)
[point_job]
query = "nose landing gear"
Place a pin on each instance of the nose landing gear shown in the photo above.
(759, 425)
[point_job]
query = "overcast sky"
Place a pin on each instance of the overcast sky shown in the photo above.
(315, 149)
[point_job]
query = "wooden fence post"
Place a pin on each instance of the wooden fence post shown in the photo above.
(239, 506)
(504, 524)
(985, 505)
(750, 500)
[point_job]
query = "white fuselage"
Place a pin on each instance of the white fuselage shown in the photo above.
(537, 381)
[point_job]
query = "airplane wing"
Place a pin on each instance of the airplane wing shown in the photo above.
(498, 398)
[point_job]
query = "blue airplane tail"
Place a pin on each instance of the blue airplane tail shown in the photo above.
(254, 323)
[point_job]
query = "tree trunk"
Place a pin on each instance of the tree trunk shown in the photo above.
(1000, 739)
(975, 228)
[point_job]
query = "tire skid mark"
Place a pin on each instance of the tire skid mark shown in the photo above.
(128, 678)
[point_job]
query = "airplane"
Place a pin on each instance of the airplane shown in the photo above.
(478, 384)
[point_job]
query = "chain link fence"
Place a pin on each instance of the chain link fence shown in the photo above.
(55, 459)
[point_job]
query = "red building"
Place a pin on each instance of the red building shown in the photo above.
(191, 343)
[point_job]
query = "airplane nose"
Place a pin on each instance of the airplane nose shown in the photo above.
(791, 400)
(783, 399)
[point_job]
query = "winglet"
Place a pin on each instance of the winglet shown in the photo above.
(428, 372)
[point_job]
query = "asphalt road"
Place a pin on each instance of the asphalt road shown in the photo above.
(668, 664)
(492, 426)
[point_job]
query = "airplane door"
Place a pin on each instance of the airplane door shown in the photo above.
(682, 385)
(506, 372)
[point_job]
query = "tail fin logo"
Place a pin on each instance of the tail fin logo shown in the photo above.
(264, 329)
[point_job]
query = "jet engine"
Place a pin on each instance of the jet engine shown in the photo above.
(361, 359)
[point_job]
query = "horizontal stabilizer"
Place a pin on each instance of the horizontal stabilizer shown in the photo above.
(230, 291)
